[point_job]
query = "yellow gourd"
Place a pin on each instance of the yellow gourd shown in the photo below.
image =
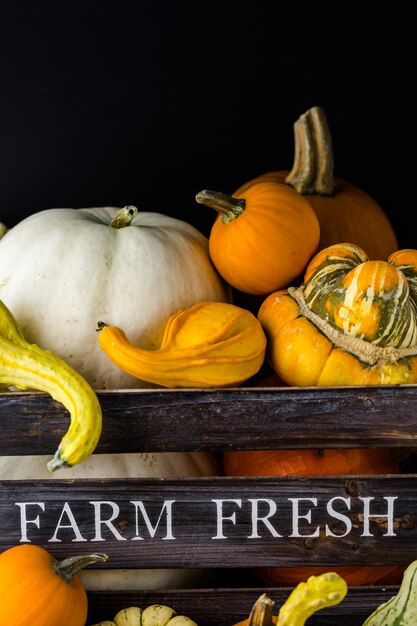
(27, 366)
(317, 593)
(211, 344)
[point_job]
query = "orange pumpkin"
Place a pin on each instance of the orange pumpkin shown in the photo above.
(352, 322)
(262, 238)
(37, 590)
(364, 461)
(345, 212)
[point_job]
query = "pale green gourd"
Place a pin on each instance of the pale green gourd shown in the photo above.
(153, 615)
(400, 610)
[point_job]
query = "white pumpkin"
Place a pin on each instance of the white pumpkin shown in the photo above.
(63, 270)
(150, 465)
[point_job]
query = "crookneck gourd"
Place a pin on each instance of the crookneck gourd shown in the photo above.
(317, 593)
(153, 615)
(211, 344)
(38, 590)
(27, 366)
(352, 322)
(345, 212)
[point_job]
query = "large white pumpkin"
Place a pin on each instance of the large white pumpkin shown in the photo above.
(63, 270)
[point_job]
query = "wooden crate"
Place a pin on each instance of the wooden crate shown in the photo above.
(382, 509)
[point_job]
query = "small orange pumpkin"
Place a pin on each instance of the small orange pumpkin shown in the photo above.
(342, 461)
(263, 237)
(352, 322)
(37, 590)
(345, 212)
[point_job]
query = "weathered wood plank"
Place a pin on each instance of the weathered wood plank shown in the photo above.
(195, 522)
(225, 607)
(169, 420)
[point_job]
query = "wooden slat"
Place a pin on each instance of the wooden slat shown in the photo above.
(62, 515)
(169, 420)
(225, 607)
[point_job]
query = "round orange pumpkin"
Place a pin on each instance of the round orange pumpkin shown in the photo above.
(263, 237)
(37, 590)
(364, 461)
(345, 212)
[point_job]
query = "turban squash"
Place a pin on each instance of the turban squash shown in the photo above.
(345, 212)
(352, 322)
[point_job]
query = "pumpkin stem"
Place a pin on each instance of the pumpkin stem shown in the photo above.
(227, 206)
(123, 217)
(261, 613)
(67, 568)
(312, 171)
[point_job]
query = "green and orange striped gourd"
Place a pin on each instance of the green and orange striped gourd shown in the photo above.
(353, 321)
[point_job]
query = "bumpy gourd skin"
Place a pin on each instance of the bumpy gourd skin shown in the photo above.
(317, 593)
(27, 366)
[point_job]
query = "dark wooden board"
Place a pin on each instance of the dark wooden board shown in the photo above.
(225, 607)
(63, 518)
(168, 420)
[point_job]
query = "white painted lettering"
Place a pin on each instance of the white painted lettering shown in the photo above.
(296, 517)
(256, 518)
(221, 518)
(389, 516)
(66, 510)
(99, 521)
(24, 521)
(167, 507)
(339, 516)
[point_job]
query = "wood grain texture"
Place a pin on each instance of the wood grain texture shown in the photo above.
(169, 420)
(224, 607)
(69, 517)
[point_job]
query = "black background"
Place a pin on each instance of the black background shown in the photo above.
(148, 102)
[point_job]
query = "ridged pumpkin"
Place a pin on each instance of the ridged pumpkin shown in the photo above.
(352, 322)
(345, 212)
(37, 590)
(263, 237)
(366, 461)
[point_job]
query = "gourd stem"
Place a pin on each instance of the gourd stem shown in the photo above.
(312, 171)
(227, 206)
(67, 568)
(365, 351)
(261, 613)
(123, 217)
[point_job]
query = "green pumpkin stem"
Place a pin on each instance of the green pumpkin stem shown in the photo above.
(261, 613)
(123, 217)
(227, 206)
(312, 171)
(67, 568)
